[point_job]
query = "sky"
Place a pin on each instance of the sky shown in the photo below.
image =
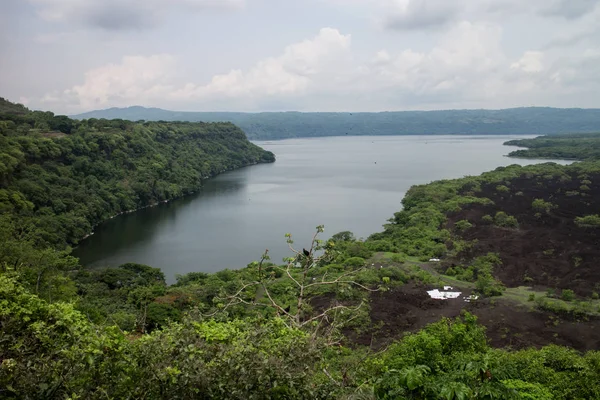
(70, 56)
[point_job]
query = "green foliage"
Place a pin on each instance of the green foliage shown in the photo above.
(502, 189)
(504, 220)
(355, 262)
(571, 146)
(463, 225)
(345, 236)
(382, 245)
(540, 205)
(53, 351)
(487, 219)
(60, 183)
(528, 391)
(589, 221)
(567, 295)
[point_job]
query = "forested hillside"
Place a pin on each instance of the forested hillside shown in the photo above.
(340, 318)
(283, 125)
(572, 147)
(60, 177)
(64, 176)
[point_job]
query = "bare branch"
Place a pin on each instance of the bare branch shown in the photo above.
(326, 312)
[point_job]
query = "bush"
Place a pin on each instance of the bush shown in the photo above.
(567, 295)
(398, 258)
(504, 220)
(463, 225)
(355, 262)
(358, 249)
(488, 286)
(381, 245)
(589, 221)
(540, 205)
(487, 219)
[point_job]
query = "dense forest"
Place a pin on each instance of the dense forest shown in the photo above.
(573, 147)
(284, 125)
(64, 176)
(340, 318)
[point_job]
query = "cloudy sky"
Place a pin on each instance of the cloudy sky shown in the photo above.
(70, 56)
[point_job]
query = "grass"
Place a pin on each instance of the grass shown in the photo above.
(522, 294)
(451, 281)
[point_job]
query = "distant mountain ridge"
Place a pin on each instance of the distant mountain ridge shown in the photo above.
(291, 124)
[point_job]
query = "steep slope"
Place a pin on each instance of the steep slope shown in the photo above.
(60, 177)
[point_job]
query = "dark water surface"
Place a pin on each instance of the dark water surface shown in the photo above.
(344, 183)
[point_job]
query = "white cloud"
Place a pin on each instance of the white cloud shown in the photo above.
(149, 80)
(530, 62)
(466, 67)
(136, 79)
(436, 14)
(123, 14)
(292, 72)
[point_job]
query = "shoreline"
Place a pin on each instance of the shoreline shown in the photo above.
(131, 211)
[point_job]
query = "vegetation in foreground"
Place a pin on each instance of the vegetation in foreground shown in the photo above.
(281, 331)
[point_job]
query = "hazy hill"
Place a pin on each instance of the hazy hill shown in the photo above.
(280, 125)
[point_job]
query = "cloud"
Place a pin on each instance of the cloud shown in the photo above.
(455, 65)
(466, 67)
(421, 14)
(530, 62)
(149, 80)
(123, 14)
(407, 15)
(134, 80)
(289, 73)
(569, 9)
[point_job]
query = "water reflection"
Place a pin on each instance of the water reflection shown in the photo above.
(350, 183)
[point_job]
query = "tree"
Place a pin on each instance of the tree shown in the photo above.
(297, 276)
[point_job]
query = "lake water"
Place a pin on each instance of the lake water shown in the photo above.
(344, 183)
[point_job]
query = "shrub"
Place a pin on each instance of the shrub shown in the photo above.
(355, 262)
(540, 205)
(487, 219)
(488, 286)
(381, 245)
(463, 225)
(504, 220)
(398, 258)
(589, 221)
(502, 189)
(567, 295)
(359, 249)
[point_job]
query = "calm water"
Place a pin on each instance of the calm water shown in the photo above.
(344, 183)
